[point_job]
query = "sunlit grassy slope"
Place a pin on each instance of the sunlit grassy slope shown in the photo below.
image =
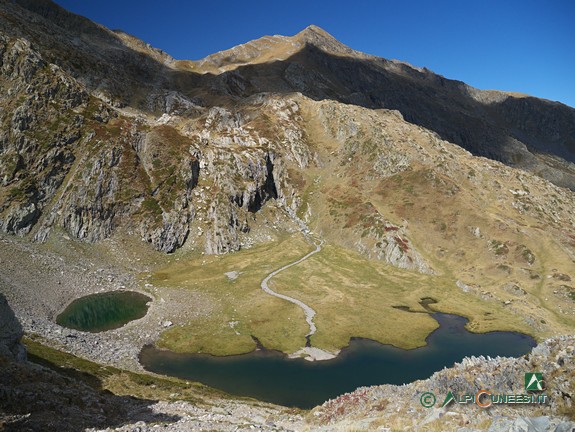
(353, 297)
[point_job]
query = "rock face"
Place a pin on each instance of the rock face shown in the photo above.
(518, 130)
(10, 333)
(102, 134)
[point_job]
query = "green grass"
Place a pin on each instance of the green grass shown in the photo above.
(23, 190)
(276, 323)
(151, 205)
(16, 193)
(352, 296)
(119, 382)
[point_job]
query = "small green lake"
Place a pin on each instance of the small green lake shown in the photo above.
(104, 311)
(271, 376)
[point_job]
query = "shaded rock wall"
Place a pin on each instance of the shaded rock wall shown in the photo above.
(10, 333)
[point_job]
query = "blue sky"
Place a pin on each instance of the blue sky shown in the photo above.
(524, 46)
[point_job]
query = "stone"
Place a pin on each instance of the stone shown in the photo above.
(232, 275)
(524, 424)
(565, 426)
(500, 425)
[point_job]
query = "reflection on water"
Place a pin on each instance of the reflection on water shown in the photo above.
(105, 311)
(271, 376)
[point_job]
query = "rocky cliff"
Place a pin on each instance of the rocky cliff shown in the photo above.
(103, 134)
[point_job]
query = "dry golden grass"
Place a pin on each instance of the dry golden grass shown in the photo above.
(244, 310)
(352, 296)
(119, 382)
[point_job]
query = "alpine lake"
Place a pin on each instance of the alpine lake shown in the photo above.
(104, 311)
(273, 377)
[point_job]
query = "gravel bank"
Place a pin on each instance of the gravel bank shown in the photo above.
(39, 284)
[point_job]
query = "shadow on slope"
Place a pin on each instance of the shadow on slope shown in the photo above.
(512, 130)
(518, 131)
(35, 398)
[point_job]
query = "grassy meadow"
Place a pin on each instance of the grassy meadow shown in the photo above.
(352, 297)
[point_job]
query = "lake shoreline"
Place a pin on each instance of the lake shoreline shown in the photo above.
(275, 377)
(64, 279)
(302, 354)
(105, 311)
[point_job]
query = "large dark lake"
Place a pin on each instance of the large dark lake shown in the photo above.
(271, 376)
(104, 311)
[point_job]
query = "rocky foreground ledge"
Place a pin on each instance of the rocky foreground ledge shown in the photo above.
(390, 407)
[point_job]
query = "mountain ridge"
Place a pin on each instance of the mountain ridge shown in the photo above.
(148, 89)
(267, 49)
(184, 160)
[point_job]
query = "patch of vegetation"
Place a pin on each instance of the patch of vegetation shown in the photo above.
(119, 382)
(305, 199)
(505, 268)
(22, 191)
(10, 163)
(562, 277)
(16, 194)
(276, 323)
(528, 256)
(499, 247)
(151, 205)
(336, 283)
(534, 276)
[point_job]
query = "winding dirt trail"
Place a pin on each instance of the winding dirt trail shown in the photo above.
(308, 311)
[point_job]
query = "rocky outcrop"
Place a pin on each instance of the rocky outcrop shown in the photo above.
(101, 133)
(36, 146)
(76, 401)
(19, 219)
(10, 333)
(520, 131)
(533, 134)
(72, 160)
(399, 407)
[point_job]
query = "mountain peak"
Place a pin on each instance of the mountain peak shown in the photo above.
(271, 48)
(318, 37)
(315, 30)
